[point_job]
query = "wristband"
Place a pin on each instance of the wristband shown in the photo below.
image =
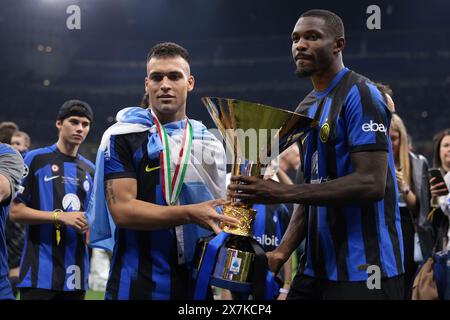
(57, 226)
(434, 203)
(55, 219)
(283, 290)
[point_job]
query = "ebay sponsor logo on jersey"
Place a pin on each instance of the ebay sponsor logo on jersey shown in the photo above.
(374, 127)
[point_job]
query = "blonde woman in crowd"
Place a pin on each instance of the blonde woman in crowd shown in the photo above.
(413, 198)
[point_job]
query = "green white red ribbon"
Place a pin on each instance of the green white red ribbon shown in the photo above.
(171, 186)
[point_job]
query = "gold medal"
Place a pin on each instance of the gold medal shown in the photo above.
(57, 225)
(58, 236)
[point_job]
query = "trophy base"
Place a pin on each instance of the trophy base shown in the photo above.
(246, 217)
(235, 263)
(235, 260)
(200, 250)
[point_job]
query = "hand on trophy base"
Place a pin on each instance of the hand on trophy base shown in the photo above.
(244, 215)
(205, 215)
(251, 190)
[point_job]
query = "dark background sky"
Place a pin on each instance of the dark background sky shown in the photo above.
(239, 49)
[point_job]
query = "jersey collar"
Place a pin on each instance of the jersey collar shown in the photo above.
(334, 82)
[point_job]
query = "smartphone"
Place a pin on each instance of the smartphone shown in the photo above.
(437, 174)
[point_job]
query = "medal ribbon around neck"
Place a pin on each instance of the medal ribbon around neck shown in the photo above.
(171, 188)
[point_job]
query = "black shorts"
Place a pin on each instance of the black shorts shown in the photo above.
(44, 294)
(308, 288)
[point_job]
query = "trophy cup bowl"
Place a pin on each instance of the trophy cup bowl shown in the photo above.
(254, 134)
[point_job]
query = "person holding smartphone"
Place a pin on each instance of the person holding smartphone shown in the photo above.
(439, 188)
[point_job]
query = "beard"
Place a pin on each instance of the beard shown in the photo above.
(304, 72)
(322, 61)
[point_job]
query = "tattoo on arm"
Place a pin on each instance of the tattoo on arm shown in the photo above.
(110, 193)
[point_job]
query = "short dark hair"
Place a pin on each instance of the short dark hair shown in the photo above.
(332, 20)
(168, 49)
(437, 139)
(7, 129)
(75, 108)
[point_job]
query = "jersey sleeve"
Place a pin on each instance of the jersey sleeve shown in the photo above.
(28, 179)
(11, 167)
(367, 119)
(120, 162)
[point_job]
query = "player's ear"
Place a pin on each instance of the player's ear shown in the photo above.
(339, 45)
(146, 84)
(191, 83)
(59, 124)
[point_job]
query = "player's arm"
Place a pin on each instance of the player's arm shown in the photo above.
(283, 177)
(25, 215)
(287, 275)
(365, 184)
(294, 235)
(11, 171)
(22, 213)
(5, 188)
(129, 212)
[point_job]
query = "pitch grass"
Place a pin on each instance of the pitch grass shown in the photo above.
(90, 295)
(95, 295)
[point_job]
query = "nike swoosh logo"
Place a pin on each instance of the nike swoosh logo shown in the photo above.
(147, 169)
(46, 179)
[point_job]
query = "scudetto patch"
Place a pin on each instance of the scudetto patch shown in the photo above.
(325, 132)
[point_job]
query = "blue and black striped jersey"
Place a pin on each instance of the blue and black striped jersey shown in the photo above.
(343, 241)
(144, 263)
(271, 222)
(55, 181)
